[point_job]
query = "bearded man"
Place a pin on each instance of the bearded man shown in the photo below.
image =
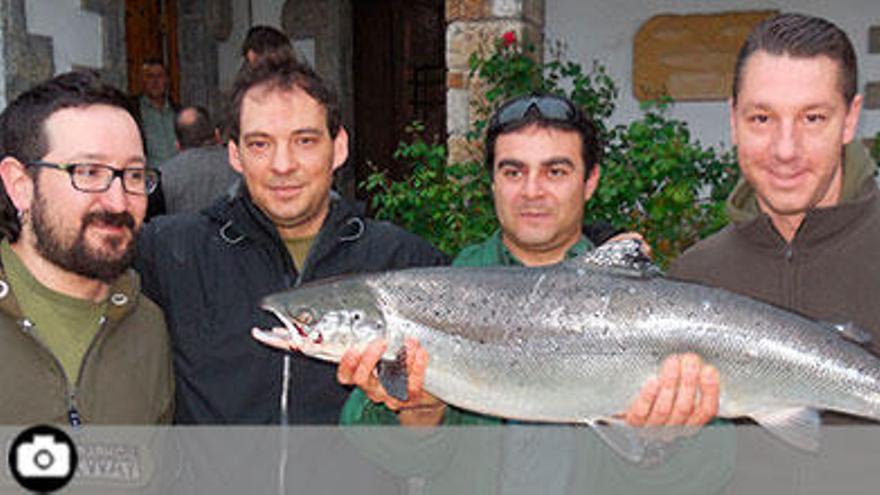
(78, 342)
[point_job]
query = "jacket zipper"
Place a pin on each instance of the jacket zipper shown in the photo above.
(73, 416)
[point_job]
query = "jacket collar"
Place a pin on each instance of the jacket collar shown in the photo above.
(858, 193)
(241, 220)
(122, 297)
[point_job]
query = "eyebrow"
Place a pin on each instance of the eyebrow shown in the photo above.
(99, 158)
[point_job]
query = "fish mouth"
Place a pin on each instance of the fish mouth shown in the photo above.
(298, 328)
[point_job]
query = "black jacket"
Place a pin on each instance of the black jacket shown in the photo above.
(208, 272)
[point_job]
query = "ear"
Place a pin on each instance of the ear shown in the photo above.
(851, 120)
(731, 108)
(340, 148)
(18, 184)
(234, 157)
(592, 183)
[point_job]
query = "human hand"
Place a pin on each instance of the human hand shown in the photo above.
(358, 367)
(684, 395)
(644, 246)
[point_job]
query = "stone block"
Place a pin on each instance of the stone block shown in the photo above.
(464, 38)
(533, 11)
(455, 80)
(690, 57)
(467, 10)
(457, 112)
(874, 39)
(872, 96)
(507, 8)
(462, 150)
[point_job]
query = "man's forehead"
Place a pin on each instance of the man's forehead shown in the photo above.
(261, 103)
(93, 131)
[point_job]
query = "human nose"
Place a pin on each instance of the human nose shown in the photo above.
(785, 144)
(115, 199)
(284, 160)
(533, 185)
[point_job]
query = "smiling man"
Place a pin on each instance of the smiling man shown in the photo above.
(806, 218)
(209, 270)
(77, 340)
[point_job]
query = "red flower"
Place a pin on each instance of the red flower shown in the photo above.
(508, 38)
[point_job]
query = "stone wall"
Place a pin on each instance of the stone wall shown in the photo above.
(473, 26)
(27, 58)
(200, 24)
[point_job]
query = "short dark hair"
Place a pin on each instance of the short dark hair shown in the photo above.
(200, 132)
(801, 36)
(283, 74)
(578, 121)
(22, 124)
(153, 61)
(266, 40)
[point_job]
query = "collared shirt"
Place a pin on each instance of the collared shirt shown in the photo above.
(493, 252)
(158, 128)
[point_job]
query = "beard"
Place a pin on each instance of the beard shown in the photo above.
(73, 253)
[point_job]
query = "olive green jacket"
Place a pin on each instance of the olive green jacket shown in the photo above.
(125, 376)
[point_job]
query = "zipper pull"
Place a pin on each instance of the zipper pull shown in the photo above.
(73, 417)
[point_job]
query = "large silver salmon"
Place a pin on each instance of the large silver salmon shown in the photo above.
(575, 342)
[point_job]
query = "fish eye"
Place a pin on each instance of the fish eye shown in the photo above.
(357, 316)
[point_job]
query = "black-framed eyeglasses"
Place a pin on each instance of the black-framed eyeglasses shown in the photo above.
(97, 177)
(549, 107)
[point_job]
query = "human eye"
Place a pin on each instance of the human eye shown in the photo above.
(558, 171)
(815, 117)
(88, 170)
(258, 146)
(759, 118)
(509, 172)
(135, 175)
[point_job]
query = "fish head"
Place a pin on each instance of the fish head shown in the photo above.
(326, 319)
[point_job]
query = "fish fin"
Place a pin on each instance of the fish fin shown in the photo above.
(625, 257)
(849, 331)
(621, 438)
(797, 426)
(393, 375)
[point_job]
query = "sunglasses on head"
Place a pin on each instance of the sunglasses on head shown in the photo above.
(549, 107)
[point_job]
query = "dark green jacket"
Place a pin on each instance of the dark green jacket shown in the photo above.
(125, 377)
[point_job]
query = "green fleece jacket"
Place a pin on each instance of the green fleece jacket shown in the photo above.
(125, 376)
(827, 271)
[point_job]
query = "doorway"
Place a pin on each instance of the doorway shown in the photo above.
(151, 33)
(399, 77)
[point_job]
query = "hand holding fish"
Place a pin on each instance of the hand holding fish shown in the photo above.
(685, 394)
(359, 368)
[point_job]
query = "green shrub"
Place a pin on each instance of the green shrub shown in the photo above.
(656, 179)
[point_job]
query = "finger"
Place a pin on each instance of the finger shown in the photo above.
(417, 372)
(669, 377)
(710, 391)
(347, 365)
(638, 412)
(686, 396)
(369, 358)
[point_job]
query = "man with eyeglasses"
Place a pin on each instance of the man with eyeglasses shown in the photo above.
(78, 342)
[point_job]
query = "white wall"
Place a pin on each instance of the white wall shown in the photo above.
(604, 30)
(76, 34)
(228, 56)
